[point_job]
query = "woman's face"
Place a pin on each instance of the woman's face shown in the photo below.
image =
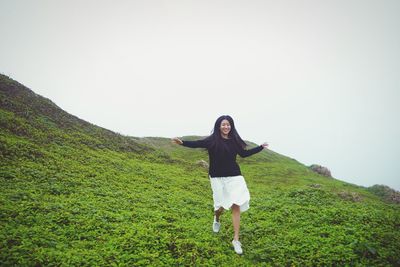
(225, 128)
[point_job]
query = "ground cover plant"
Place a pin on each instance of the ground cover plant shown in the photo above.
(75, 194)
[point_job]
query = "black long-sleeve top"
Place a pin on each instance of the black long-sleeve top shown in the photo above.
(223, 161)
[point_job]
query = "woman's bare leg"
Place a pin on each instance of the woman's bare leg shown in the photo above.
(236, 220)
(218, 213)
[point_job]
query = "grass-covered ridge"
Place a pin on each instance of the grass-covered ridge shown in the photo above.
(74, 194)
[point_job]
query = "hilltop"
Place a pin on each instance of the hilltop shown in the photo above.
(73, 193)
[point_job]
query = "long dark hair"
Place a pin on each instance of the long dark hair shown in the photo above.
(217, 140)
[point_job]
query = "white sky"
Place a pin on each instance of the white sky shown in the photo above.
(318, 80)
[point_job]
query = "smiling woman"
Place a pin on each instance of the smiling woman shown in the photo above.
(227, 183)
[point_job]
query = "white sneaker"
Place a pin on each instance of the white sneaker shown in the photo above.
(237, 246)
(216, 226)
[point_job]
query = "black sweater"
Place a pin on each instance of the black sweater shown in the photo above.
(223, 161)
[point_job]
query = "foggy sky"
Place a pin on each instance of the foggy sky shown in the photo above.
(318, 80)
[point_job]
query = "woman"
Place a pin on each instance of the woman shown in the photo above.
(227, 183)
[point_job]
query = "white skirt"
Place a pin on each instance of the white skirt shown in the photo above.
(230, 190)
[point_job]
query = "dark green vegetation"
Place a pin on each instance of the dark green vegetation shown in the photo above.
(74, 194)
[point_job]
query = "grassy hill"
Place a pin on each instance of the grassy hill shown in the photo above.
(73, 193)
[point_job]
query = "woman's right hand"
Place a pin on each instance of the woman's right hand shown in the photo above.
(176, 140)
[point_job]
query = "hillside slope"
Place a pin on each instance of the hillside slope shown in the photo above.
(74, 194)
(32, 116)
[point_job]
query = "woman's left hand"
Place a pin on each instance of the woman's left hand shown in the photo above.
(265, 145)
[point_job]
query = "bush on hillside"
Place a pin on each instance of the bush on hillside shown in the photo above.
(350, 196)
(321, 170)
(386, 193)
(202, 163)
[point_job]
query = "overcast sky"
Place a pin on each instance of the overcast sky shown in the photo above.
(318, 80)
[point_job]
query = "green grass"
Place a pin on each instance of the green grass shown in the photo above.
(85, 196)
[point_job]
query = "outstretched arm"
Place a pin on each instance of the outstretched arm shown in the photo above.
(192, 144)
(246, 153)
